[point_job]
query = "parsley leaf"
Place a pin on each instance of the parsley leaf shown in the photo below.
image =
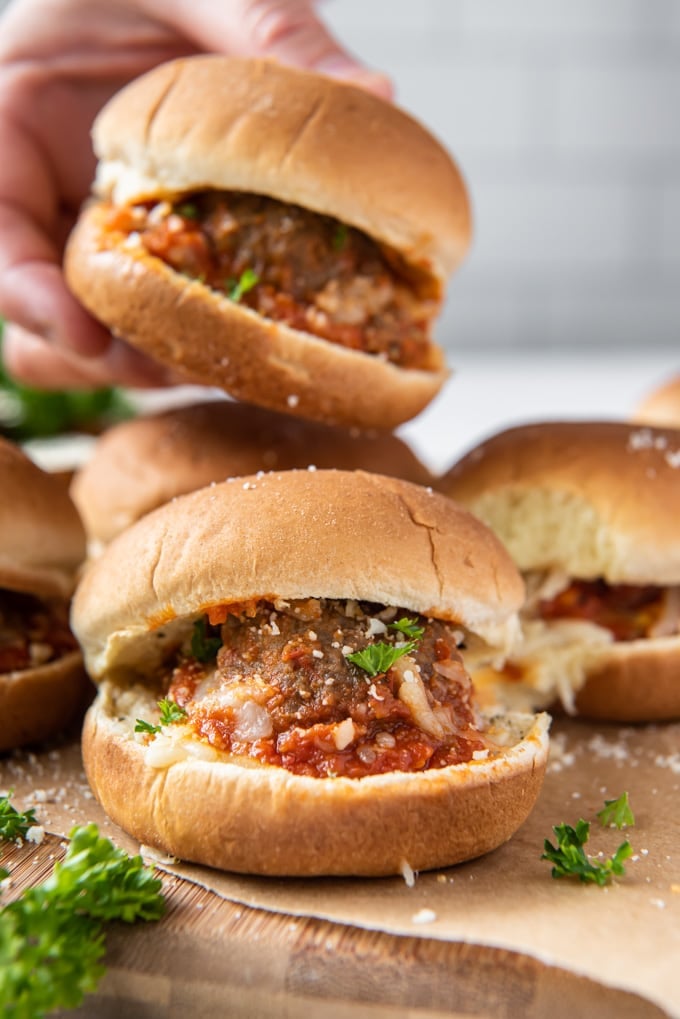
(188, 210)
(617, 813)
(203, 647)
(52, 938)
(376, 659)
(569, 858)
(340, 237)
(14, 824)
(409, 627)
(246, 281)
(170, 712)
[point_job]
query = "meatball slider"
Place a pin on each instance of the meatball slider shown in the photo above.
(142, 463)
(590, 513)
(274, 232)
(282, 682)
(42, 543)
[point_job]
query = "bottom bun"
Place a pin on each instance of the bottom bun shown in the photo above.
(236, 815)
(636, 681)
(38, 703)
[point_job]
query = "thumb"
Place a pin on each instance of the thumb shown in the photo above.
(288, 30)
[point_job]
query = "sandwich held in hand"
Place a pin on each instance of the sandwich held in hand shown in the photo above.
(143, 463)
(283, 689)
(590, 512)
(42, 544)
(274, 232)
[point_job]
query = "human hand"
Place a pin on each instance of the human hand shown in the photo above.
(60, 61)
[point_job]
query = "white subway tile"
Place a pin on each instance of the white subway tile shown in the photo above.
(634, 109)
(554, 18)
(669, 241)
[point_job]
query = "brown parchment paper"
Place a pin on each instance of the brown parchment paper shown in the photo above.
(626, 935)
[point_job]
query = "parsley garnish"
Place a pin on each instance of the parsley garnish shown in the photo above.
(246, 281)
(376, 659)
(52, 936)
(569, 858)
(170, 713)
(203, 647)
(340, 237)
(187, 210)
(617, 813)
(13, 824)
(409, 627)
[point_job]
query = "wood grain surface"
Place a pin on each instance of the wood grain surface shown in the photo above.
(210, 957)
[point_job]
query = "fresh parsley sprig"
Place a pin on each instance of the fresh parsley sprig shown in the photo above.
(617, 813)
(203, 647)
(409, 627)
(569, 858)
(14, 824)
(376, 659)
(170, 713)
(246, 281)
(52, 936)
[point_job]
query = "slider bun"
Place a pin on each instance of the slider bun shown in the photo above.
(42, 541)
(42, 544)
(237, 815)
(258, 126)
(38, 703)
(661, 407)
(214, 341)
(592, 499)
(140, 464)
(296, 534)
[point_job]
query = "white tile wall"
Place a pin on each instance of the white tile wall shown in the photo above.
(565, 118)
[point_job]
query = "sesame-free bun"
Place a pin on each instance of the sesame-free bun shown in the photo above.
(293, 535)
(213, 122)
(42, 541)
(594, 499)
(42, 544)
(587, 500)
(661, 406)
(140, 464)
(235, 814)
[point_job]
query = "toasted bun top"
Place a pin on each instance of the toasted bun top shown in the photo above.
(42, 541)
(258, 126)
(140, 464)
(297, 534)
(662, 406)
(594, 499)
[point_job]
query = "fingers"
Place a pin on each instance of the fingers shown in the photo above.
(29, 359)
(288, 30)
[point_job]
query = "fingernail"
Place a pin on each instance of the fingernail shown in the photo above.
(348, 70)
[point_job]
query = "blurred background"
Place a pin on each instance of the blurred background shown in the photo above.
(565, 118)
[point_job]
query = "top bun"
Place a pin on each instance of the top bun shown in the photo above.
(297, 534)
(140, 464)
(592, 499)
(661, 407)
(42, 541)
(293, 135)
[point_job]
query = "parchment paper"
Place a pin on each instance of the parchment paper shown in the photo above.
(626, 935)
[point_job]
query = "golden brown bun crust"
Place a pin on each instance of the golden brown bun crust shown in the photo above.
(214, 341)
(595, 499)
(258, 126)
(633, 682)
(661, 407)
(38, 703)
(264, 820)
(143, 463)
(42, 541)
(296, 534)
